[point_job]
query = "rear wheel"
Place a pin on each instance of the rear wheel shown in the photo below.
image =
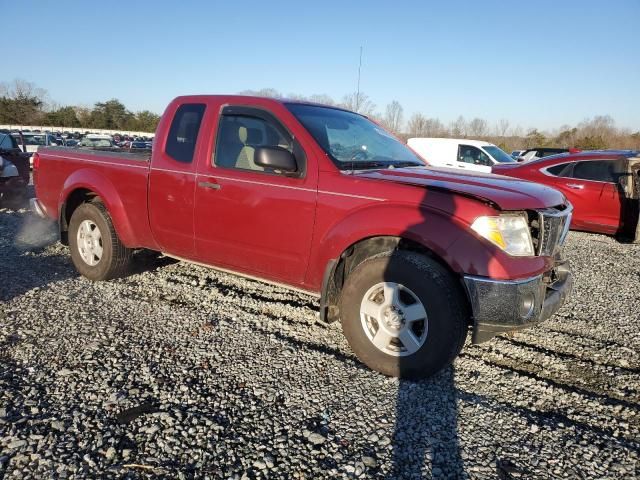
(96, 250)
(403, 314)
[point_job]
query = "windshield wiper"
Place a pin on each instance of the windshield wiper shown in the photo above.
(372, 164)
(407, 163)
(363, 164)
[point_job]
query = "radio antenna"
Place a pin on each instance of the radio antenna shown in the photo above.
(358, 89)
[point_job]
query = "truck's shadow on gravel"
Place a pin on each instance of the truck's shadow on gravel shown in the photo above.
(426, 423)
(426, 428)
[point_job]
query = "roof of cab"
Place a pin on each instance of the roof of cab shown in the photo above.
(244, 98)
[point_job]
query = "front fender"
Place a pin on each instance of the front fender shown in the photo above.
(434, 229)
(93, 181)
(445, 232)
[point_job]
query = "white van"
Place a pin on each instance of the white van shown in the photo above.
(474, 155)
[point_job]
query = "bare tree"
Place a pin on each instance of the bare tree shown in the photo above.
(417, 125)
(502, 127)
(322, 98)
(602, 127)
(263, 92)
(477, 127)
(421, 126)
(22, 102)
(359, 102)
(393, 117)
(458, 128)
(435, 128)
(19, 88)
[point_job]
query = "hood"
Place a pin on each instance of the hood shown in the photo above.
(506, 192)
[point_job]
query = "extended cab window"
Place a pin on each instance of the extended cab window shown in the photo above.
(473, 155)
(598, 170)
(183, 134)
(240, 135)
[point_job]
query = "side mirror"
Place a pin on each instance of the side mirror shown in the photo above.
(275, 158)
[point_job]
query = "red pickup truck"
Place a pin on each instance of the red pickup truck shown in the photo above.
(320, 199)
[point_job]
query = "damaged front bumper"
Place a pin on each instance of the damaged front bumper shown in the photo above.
(504, 305)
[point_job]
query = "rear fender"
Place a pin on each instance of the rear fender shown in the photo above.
(100, 185)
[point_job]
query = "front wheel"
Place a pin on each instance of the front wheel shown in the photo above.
(96, 250)
(403, 314)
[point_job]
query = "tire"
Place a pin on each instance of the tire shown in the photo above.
(436, 340)
(114, 259)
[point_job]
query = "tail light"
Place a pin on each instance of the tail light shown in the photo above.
(36, 161)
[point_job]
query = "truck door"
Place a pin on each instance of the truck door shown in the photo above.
(592, 188)
(172, 180)
(249, 218)
(600, 191)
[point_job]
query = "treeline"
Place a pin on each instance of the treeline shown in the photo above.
(596, 133)
(22, 103)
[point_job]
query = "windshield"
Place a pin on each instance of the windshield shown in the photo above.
(351, 140)
(498, 154)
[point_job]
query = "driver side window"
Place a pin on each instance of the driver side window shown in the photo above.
(472, 155)
(240, 135)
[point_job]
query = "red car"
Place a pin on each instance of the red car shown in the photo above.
(323, 200)
(602, 186)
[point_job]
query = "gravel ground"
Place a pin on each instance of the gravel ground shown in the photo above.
(178, 371)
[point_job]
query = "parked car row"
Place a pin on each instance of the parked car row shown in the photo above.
(30, 141)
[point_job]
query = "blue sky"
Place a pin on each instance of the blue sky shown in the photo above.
(542, 64)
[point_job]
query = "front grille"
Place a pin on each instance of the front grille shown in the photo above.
(549, 229)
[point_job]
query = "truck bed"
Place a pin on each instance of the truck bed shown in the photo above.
(116, 176)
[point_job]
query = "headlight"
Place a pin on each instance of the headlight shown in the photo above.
(510, 232)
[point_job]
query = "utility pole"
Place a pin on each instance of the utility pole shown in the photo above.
(358, 90)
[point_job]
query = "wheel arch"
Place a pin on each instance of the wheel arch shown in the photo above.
(338, 269)
(85, 186)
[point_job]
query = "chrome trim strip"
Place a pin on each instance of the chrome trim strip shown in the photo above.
(48, 155)
(266, 184)
(352, 195)
(503, 282)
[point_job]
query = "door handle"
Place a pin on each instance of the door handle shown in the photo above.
(214, 186)
(575, 186)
